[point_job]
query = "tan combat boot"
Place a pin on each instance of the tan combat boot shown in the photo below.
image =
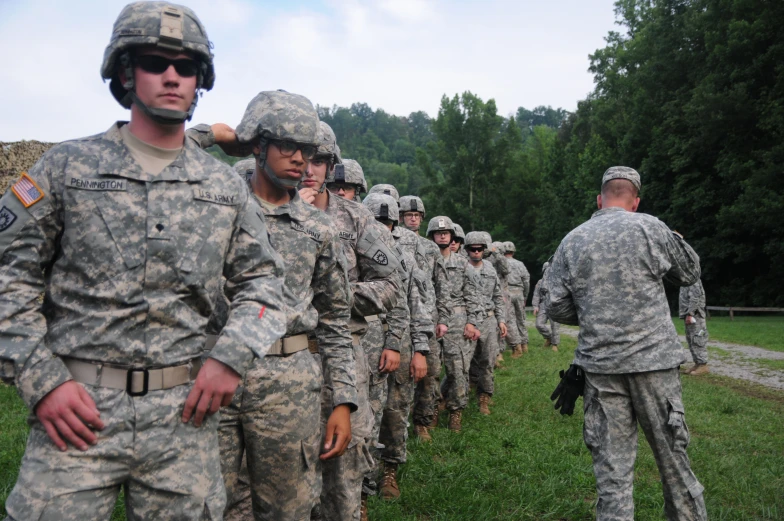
(525, 348)
(389, 487)
(456, 421)
(363, 509)
(484, 398)
(441, 406)
(518, 351)
(547, 343)
(422, 433)
(699, 369)
(555, 347)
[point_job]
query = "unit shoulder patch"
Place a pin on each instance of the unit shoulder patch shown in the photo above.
(7, 218)
(27, 190)
(381, 258)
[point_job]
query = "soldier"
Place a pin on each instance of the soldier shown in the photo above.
(386, 190)
(427, 393)
(519, 283)
(551, 334)
(456, 246)
(513, 337)
(128, 232)
(607, 277)
(458, 329)
(691, 304)
(413, 351)
(492, 317)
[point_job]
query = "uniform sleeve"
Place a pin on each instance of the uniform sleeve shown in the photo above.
(201, 135)
(681, 264)
(558, 297)
(500, 263)
(422, 327)
(472, 297)
(254, 288)
(441, 286)
(399, 316)
(332, 300)
(376, 291)
(537, 294)
(696, 300)
(498, 302)
(28, 242)
(526, 280)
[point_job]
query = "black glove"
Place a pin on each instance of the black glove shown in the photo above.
(569, 389)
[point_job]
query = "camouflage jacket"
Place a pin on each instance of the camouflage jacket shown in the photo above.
(540, 290)
(489, 292)
(462, 289)
(421, 327)
(434, 267)
(519, 279)
(130, 263)
(372, 264)
(606, 277)
(691, 301)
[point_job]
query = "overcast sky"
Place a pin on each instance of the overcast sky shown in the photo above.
(399, 55)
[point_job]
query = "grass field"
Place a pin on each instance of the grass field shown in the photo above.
(527, 462)
(761, 331)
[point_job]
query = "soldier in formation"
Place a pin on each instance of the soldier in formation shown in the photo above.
(691, 308)
(547, 327)
(519, 283)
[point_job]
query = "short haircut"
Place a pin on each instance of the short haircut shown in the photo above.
(619, 189)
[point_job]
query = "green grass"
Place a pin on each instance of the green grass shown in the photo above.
(527, 462)
(761, 331)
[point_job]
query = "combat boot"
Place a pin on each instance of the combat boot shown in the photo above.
(441, 405)
(456, 421)
(525, 348)
(422, 433)
(547, 343)
(484, 398)
(363, 508)
(555, 347)
(699, 369)
(518, 351)
(389, 487)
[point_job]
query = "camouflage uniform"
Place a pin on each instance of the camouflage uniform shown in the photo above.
(551, 332)
(503, 269)
(691, 302)
(519, 285)
(493, 313)
(374, 279)
(606, 277)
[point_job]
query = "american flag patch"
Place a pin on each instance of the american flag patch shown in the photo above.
(27, 191)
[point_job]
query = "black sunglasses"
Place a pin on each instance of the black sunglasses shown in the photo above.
(289, 148)
(474, 249)
(155, 64)
(337, 187)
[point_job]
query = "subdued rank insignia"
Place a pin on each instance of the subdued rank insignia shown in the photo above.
(27, 191)
(7, 218)
(441, 223)
(403, 263)
(381, 258)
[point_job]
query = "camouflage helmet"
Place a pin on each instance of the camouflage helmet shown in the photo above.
(459, 233)
(509, 247)
(349, 172)
(386, 189)
(165, 26)
(383, 207)
(480, 238)
(245, 167)
(437, 224)
(412, 203)
(498, 246)
(327, 144)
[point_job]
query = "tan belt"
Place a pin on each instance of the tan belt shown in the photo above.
(459, 309)
(376, 318)
(289, 345)
(136, 381)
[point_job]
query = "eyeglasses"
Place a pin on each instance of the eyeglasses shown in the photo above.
(474, 249)
(155, 64)
(335, 188)
(289, 148)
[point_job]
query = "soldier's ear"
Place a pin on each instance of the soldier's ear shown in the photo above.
(636, 204)
(599, 201)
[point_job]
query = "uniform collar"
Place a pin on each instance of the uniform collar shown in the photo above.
(295, 207)
(609, 209)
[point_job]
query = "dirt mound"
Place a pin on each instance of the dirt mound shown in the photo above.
(17, 157)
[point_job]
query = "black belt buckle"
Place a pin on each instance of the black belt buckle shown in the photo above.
(129, 382)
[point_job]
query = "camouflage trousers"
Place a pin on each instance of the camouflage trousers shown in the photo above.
(394, 425)
(274, 421)
(513, 336)
(697, 338)
(427, 391)
(614, 404)
(550, 332)
(482, 367)
(457, 353)
(168, 469)
(517, 314)
(343, 476)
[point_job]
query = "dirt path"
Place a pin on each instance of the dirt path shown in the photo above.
(735, 361)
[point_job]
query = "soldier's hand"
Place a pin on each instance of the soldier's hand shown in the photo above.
(469, 331)
(418, 367)
(503, 329)
(536, 310)
(338, 432)
(227, 140)
(390, 361)
(308, 194)
(69, 412)
(214, 387)
(441, 330)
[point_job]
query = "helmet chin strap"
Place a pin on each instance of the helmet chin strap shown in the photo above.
(442, 246)
(283, 184)
(163, 116)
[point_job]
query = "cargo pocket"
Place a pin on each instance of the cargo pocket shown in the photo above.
(695, 492)
(677, 424)
(595, 421)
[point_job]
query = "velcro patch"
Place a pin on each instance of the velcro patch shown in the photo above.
(105, 185)
(381, 258)
(313, 234)
(7, 218)
(347, 236)
(212, 197)
(27, 191)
